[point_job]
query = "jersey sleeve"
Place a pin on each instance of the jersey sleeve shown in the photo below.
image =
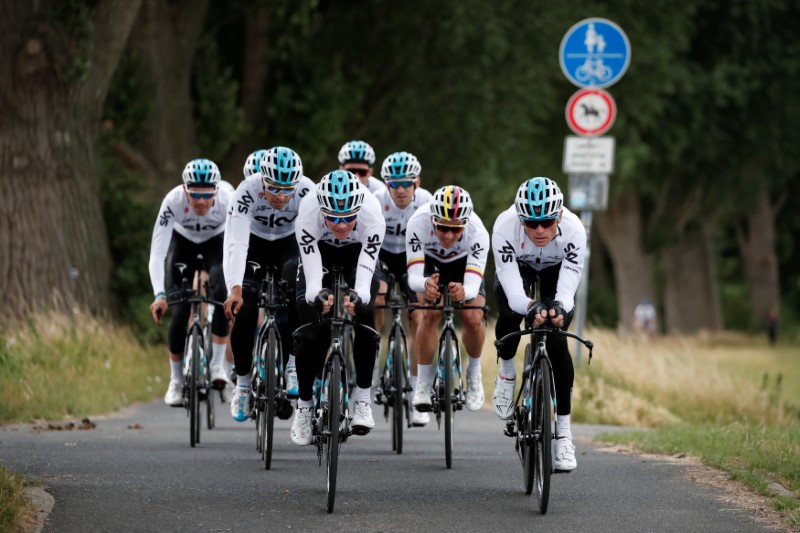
(307, 232)
(159, 245)
(371, 240)
(415, 254)
(237, 235)
(505, 262)
(569, 277)
(476, 259)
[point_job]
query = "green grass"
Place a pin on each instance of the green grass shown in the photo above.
(15, 510)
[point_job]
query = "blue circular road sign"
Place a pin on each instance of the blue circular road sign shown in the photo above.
(595, 52)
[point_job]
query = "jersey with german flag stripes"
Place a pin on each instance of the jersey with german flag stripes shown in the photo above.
(422, 241)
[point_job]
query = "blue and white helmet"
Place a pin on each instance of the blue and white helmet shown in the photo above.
(281, 166)
(253, 163)
(400, 166)
(201, 173)
(357, 152)
(340, 192)
(538, 198)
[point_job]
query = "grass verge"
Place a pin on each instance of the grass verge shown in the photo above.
(15, 510)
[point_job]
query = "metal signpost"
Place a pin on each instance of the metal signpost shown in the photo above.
(594, 53)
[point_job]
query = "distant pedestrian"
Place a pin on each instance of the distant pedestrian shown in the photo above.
(644, 318)
(772, 325)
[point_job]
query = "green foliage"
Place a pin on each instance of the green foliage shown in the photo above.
(129, 101)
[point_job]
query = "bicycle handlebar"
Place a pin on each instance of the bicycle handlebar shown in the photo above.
(531, 331)
(336, 321)
(191, 296)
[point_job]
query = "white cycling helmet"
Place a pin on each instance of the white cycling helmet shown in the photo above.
(340, 192)
(281, 166)
(451, 204)
(400, 166)
(201, 173)
(253, 163)
(538, 199)
(357, 152)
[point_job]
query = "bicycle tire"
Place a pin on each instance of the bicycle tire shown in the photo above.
(543, 404)
(397, 387)
(332, 424)
(270, 388)
(525, 432)
(447, 403)
(211, 418)
(257, 385)
(194, 400)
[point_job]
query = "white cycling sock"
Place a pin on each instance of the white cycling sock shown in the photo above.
(474, 365)
(217, 353)
(425, 374)
(290, 362)
(305, 403)
(361, 395)
(414, 382)
(507, 369)
(243, 381)
(563, 426)
(176, 371)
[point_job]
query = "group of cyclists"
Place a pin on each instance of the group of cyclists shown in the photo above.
(374, 230)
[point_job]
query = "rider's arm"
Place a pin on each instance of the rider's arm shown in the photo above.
(237, 235)
(573, 242)
(476, 257)
(307, 230)
(415, 252)
(162, 235)
(372, 232)
(505, 234)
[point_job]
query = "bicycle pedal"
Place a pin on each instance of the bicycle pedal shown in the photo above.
(510, 430)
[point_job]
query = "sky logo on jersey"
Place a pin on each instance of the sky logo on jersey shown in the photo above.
(373, 243)
(571, 254)
(416, 244)
(275, 221)
(244, 203)
(476, 250)
(506, 253)
(165, 216)
(395, 230)
(306, 242)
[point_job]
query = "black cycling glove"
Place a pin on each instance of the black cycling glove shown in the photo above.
(533, 311)
(321, 299)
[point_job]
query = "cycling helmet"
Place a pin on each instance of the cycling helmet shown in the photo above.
(357, 152)
(281, 166)
(253, 163)
(201, 173)
(400, 166)
(538, 198)
(451, 204)
(340, 191)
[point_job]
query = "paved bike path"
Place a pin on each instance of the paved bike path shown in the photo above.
(118, 478)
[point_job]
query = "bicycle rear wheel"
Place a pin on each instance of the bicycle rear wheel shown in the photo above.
(270, 387)
(526, 431)
(195, 341)
(397, 386)
(332, 421)
(211, 419)
(543, 416)
(447, 404)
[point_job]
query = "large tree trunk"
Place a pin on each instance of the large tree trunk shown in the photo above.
(164, 40)
(691, 295)
(53, 82)
(621, 230)
(757, 249)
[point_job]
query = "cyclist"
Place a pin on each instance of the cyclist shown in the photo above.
(401, 197)
(262, 235)
(341, 225)
(191, 221)
(447, 245)
(538, 239)
(358, 157)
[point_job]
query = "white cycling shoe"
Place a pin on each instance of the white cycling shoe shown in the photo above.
(503, 397)
(564, 457)
(475, 396)
(240, 404)
(219, 379)
(419, 419)
(422, 398)
(174, 395)
(362, 418)
(301, 432)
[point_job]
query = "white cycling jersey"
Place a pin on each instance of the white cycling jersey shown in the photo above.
(311, 230)
(397, 219)
(512, 247)
(421, 241)
(177, 214)
(375, 184)
(251, 213)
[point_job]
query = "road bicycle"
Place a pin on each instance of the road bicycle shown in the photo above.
(533, 425)
(197, 385)
(448, 393)
(394, 385)
(268, 383)
(331, 420)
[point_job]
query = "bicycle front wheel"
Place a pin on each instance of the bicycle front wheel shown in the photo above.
(334, 383)
(543, 416)
(270, 386)
(397, 386)
(447, 404)
(195, 345)
(526, 431)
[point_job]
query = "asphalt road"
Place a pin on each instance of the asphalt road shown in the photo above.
(119, 478)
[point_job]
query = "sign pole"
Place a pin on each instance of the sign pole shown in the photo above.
(583, 290)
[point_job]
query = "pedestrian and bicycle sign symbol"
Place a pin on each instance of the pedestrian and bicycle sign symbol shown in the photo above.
(595, 52)
(591, 111)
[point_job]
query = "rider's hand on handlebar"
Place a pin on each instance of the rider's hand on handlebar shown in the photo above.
(432, 293)
(324, 301)
(457, 292)
(234, 302)
(556, 313)
(353, 302)
(158, 309)
(537, 314)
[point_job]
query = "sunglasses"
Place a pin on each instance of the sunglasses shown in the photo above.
(201, 195)
(404, 184)
(286, 191)
(545, 223)
(360, 171)
(455, 230)
(336, 220)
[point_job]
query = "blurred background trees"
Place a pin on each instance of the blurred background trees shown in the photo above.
(700, 219)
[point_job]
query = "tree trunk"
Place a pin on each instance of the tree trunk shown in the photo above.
(691, 296)
(757, 249)
(53, 82)
(621, 230)
(164, 40)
